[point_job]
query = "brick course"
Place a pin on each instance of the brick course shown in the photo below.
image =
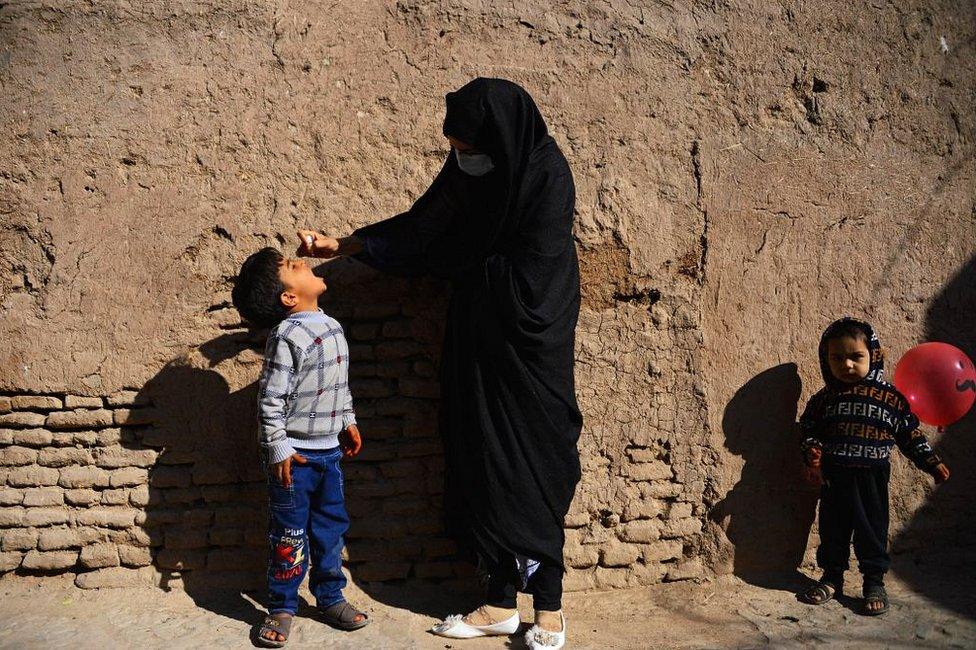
(103, 485)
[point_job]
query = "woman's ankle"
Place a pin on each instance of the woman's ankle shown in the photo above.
(549, 620)
(489, 615)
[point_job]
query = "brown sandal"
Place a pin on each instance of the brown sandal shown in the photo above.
(342, 615)
(280, 626)
(819, 593)
(875, 594)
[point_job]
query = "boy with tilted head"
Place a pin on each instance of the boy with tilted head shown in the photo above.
(307, 425)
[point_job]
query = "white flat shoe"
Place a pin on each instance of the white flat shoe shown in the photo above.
(454, 627)
(538, 639)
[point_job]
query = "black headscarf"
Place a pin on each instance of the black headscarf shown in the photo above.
(509, 416)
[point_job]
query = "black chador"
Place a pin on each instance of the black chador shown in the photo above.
(509, 416)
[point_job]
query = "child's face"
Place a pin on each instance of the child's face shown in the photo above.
(849, 359)
(301, 285)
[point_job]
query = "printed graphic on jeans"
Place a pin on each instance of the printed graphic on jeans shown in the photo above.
(288, 557)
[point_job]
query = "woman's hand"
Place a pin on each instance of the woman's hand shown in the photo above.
(941, 473)
(315, 244)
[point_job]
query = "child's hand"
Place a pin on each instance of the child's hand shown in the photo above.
(812, 476)
(315, 244)
(813, 456)
(282, 471)
(941, 473)
(350, 441)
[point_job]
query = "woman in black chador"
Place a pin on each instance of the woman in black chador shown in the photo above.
(497, 221)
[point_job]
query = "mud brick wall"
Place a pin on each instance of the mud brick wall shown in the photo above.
(76, 484)
(746, 171)
(103, 485)
(638, 513)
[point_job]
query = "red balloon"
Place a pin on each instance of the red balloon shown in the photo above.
(939, 380)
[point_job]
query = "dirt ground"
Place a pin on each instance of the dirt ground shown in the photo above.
(722, 613)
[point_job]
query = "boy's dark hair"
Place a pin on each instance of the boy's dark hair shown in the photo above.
(846, 329)
(258, 288)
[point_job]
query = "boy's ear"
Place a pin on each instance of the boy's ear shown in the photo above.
(288, 299)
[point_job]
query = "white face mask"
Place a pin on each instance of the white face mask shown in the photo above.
(474, 164)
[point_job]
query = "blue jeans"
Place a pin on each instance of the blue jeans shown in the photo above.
(308, 521)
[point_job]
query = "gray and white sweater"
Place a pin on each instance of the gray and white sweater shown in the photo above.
(303, 395)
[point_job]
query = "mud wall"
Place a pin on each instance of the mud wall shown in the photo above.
(746, 171)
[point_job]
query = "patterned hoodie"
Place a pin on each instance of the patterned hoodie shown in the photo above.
(856, 425)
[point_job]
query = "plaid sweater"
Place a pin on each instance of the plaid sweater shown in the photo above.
(303, 395)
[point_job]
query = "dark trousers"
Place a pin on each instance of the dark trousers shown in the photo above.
(854, 502)
(545, 585)
(308, 521)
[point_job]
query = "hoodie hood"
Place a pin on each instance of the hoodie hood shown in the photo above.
(876, 368)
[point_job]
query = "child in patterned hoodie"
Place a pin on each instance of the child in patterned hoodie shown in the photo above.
(848, 429)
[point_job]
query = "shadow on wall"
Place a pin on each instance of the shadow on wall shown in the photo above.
(206, 517)
(769, 512)
(936, 552)
(207, 512)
